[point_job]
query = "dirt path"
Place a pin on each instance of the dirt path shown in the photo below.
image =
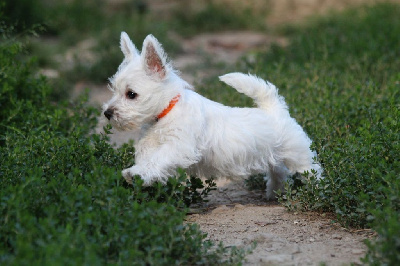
(239, 217)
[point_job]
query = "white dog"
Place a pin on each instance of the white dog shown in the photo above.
(182, 129)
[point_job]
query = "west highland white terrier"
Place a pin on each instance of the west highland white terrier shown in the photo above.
(182, 129)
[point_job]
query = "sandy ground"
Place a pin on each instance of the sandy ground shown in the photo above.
(234, 215)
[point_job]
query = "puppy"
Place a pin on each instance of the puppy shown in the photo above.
(182, 129)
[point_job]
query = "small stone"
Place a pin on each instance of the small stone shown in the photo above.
(233, 243)
(220, 209)
(239, 206)
(277, 259)
(336, 236)
(357, 251)
(269, 246)
(297, 251)
(261, 238)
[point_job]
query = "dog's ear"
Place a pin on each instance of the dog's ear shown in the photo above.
(153, 58)
(127, 47)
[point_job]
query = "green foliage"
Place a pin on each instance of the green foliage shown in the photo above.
(73, 22)
(215, 17)
(62, 197)
(67, 24)
(21, 14)
(182, 191)
(340, 76)
(256, 182)
(385, 250)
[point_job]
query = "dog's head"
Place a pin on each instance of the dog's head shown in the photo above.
(142, 87)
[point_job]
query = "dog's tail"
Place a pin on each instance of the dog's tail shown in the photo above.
(264, 94)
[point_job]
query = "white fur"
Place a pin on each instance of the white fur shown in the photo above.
(202, 136)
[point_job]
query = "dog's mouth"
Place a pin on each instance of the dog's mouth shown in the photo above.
(117, 122)
(122, 125)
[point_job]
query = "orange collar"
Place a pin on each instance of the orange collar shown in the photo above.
(169, 107)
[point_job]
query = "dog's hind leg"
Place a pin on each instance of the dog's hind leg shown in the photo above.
(276, 181)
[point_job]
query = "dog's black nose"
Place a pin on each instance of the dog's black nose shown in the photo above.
(109, 113)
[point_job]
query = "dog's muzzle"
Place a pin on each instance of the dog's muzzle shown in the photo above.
(109, 113)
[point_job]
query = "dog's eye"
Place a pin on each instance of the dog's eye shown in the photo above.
(131, 95)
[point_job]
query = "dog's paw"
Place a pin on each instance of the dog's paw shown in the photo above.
(130, 173)
(128, 176)
(270, 195)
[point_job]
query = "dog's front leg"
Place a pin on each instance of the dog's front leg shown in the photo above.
(160, 164)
